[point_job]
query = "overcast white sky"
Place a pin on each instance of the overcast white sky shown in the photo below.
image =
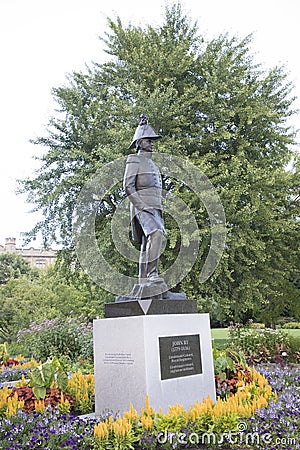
(43, 40)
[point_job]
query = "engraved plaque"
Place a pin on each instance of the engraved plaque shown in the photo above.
(180, 356)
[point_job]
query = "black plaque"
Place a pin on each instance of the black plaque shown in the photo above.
(180, 356)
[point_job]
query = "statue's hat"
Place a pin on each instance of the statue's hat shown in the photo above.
(143, 131)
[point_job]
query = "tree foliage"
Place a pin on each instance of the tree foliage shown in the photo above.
(13, 266)
(49, 295)
(214, 106)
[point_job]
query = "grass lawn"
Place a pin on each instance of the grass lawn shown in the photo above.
(219, 333)
(294, 332)
(219, 336)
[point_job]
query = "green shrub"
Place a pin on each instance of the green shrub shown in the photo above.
(292, 325)
(15, 349)
(219, 344)
(257, 325)
(283, 320)
(71, 338)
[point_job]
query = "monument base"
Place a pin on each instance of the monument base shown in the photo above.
(149, 307)
(167, 357)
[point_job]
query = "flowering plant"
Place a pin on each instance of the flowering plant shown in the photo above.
(259, 345)
(15, 371)
(81, 387)
(281, 419)
(201, 418)
(48, 430)
(72, 337)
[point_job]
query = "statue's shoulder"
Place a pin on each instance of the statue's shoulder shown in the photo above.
(134, 158)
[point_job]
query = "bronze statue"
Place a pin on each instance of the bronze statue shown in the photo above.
(143, 185)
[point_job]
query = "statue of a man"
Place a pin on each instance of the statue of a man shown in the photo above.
(143, 185)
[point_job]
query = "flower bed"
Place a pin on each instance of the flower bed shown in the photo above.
(49, 430)
(180, 428)
(14, 369)
(253, 418)
(78, 397)
(263, 345)
(281, 420)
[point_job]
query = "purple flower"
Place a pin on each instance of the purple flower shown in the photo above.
(282, 417)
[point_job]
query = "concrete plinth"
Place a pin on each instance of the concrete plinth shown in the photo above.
(168, 357)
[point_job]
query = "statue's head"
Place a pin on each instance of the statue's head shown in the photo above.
(143, 131)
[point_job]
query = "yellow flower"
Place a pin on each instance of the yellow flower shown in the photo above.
(147, 422)
(148, 410)
(199, 409)
(39, 405)
(248, 398)
(121, 426)
(22, 382)
(176, 410)
(132, 414)
(64, 405)
(101, 431)
(13, 405)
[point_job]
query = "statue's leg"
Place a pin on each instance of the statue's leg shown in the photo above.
(142, 261)
(153, 249)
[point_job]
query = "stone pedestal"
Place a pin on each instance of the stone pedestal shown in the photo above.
(166, 356)
(149, 307)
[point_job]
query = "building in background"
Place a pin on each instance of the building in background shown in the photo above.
(39, 258)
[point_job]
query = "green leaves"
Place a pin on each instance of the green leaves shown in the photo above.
(223, 363)
(13, 266)
(41, 377)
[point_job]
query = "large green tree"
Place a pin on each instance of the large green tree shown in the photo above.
(214, 106)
